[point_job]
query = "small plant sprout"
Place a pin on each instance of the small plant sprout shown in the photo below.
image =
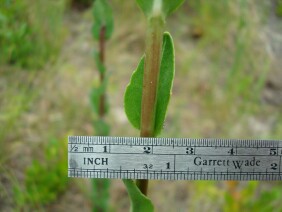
(102, 30)
(148, 93)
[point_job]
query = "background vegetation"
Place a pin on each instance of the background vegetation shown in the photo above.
(227, 84)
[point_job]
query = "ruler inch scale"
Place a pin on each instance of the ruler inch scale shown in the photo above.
(174, 158)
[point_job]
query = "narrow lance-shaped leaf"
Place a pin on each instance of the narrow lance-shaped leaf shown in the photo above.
(166, 77)
(139, 202)
(133, 93)
(103, 17)
(146, 6)
(166, 6)
(100, 194)
(133, 96)
(101, 127)
(95, 94)
(101, 67)
(170, 6)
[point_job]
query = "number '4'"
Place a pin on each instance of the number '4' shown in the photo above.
(231, 151)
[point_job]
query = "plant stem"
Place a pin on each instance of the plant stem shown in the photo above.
(232, 189)
(143, 186)
(102, 42)
(100, 189)
(154, 39)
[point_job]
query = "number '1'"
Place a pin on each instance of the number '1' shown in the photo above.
(168, 165)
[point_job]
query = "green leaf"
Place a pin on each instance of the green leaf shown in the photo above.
(101, 128)
(133, 96)
(100, 194)
(139, 202)
(95, 95)
(146, 6)
(3, 18)
(101, 67)
(166, 6)
(169, 6)
(103, 17)
(165, 82)
(133, 93)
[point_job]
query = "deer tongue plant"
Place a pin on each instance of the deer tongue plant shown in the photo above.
(148, 93)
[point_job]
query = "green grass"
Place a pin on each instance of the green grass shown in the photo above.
(14, 101)
(44, 180)
(279, 8)
(227, 89)
(30, 32)
(227, 67)
(30, 37)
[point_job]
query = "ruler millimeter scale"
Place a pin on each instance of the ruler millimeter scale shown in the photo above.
(174, 158)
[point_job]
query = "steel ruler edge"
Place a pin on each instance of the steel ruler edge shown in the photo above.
(174, 158)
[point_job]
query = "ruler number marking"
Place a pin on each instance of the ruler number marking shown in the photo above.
(190, 150)
(274, 166)
(147, 166)
(273, 151)
(74, 148)
(147, 149)
(231, 151)
(168, 165)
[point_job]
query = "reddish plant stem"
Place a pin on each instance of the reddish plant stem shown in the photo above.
(102, 41)
(151, 76)
(143, 186)
(99, 183)
(232, 189)
(154, 39)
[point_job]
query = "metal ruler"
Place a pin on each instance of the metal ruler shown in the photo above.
(174, 158)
